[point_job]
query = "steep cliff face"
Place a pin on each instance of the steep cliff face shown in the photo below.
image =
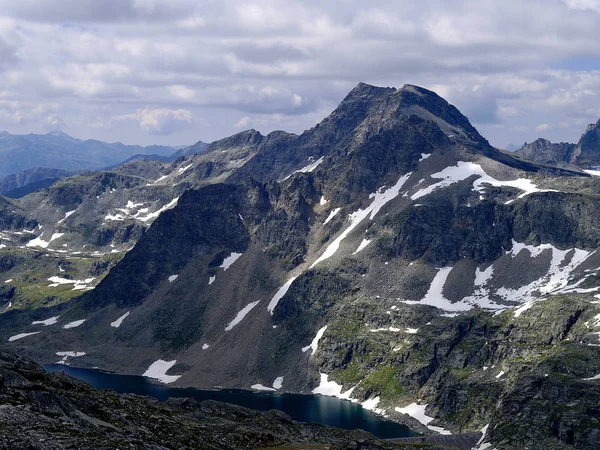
(587, 152)
(546, 152)
(388, 255)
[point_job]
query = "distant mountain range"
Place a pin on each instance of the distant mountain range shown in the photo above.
(57, 150)
(584, 154)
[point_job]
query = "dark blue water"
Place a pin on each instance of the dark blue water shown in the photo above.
(304, 408)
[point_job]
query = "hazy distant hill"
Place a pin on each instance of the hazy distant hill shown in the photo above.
(57, 150)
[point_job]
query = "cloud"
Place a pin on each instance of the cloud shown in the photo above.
(160, 121)
(244, 122)
(542, 127)
(288, 63)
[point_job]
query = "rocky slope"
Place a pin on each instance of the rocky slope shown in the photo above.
(388, 255)
(546, 152)
(585, 154)
(51, 411)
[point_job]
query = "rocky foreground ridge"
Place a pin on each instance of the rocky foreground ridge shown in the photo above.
(41, 410)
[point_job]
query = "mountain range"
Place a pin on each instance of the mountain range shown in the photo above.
(57, 150)
(388, 255)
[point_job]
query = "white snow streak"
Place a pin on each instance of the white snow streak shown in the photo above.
(260, 387)
(21, 336)
(117, 323)
(315, 342)
(279, 295)
(332, 389)
(47, 322)
(331, 215)
(227, 262)
(309, 168)
(380, 199)
(74, 324)
(362, 246)
(240, 315)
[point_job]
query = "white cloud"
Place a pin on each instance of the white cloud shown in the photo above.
(542, 127)
(244, 122)
(509, 65)
(160, 121)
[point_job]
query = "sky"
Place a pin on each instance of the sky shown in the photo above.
(178, 71)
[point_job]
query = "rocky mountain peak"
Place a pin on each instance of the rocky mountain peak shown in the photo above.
(587, 152)
(545, 152)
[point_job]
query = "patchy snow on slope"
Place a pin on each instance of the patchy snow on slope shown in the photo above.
(278, 383)
(595, 173)
(464, 170)
(371, 405)
(172, 278)
(279, 295)
(21, 336)
(411, 330)
(483, 276)
(71, 354)
(323, 201)
(424, 156)
(78, 284)
(183, 169)
(67, 214)
(380, 199)
(211, 280)
(158, 371)
(154, 215)
(418, 412)
(362, 246)
(435, 297)
(39, 242)
(260, 387)
(227, 262)
(117, 323)
(240, 315)
(331, 215)
(596, 377)
(73, 324)
(47, 322)
(158, 180)
(308, 168)
(205, 346)
(562, 265)
(332, 389)
(315, 342)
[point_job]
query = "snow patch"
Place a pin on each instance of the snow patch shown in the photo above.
(172, 278)
(464, 170)
(47, 322)
(227, 262)
(279, 295)
(205, 346)
(278, 383)
(362, 246)
(323, 201)
(260, 387)
(21, 336)
(158, 371)
(307, 169)
(380, 199)
(418, 412)
(331, 215)
(73, 324)
(39, 242)
(332, 389)
(240, 315)
(435, 297)
(117, 323)
(596, 377)
(315, 342)
(371, 405)
(211, 280)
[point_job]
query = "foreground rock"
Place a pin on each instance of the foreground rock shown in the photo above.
(40, 410)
